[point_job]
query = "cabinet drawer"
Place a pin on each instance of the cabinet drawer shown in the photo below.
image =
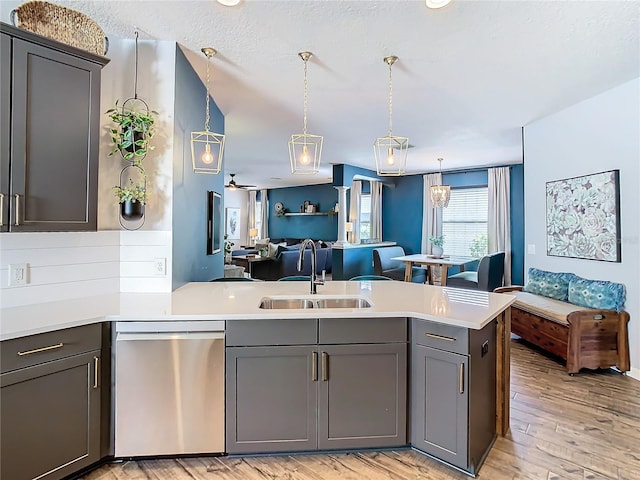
(335, 331)
(444, 337)
(245, 333)
(44, 347)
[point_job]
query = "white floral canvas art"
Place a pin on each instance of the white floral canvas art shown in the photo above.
(583, 217)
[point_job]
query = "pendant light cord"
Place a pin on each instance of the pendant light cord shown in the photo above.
(390, 100)
(207, 116)
(304, 115)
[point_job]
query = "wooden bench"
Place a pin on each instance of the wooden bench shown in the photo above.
(585, 338)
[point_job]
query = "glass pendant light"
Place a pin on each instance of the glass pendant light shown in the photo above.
(207, 147)
(305, 149)
(440, 193)
(391, 151)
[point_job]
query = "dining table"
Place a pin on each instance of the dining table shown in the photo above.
(432, 261)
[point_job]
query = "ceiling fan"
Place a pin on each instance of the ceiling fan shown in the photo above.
(233, 185)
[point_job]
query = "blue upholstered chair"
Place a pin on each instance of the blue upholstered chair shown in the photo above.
(487, 278)
(368, 277)
(295, 278)
(394, 269)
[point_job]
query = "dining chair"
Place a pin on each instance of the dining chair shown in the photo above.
(488, 276)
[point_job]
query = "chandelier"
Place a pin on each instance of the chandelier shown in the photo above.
(207, 147)
(440, 193)
(391, 151)
(305, 149)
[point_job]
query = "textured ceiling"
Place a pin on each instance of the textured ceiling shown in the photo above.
(469, 75)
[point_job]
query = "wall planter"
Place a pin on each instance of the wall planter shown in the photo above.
(131, 210)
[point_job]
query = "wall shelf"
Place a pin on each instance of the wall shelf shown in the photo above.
(292, 214)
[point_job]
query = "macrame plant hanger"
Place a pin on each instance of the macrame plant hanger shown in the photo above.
(132, 214)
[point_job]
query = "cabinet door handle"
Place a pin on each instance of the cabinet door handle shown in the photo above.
(440, 337)
(461, 379)
(96, 372)
(17, 221)
(314, 366)
(1, 209)
(325, 366)
(43, 349)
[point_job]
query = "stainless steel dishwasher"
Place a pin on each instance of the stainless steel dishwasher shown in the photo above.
(169, 388)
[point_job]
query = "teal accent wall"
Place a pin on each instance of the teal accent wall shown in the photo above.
(190, 260)
(316, 227)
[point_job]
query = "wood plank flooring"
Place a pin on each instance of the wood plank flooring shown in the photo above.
(562, 427)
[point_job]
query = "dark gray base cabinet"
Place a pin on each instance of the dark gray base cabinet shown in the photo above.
(50, 109)
(452, 414)
(51, 405)
(286, 398)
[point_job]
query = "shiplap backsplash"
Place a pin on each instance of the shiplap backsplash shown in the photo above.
(67, 265)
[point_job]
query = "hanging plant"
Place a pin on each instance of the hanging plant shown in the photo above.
(132, 132)
(134, 192)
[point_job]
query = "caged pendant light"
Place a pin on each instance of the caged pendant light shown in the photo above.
(391, 151)
(207, 147)
(440, 193)
(305, 149)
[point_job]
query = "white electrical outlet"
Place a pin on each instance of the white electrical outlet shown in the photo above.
(160, 266)
(531, 249)
(18, 274)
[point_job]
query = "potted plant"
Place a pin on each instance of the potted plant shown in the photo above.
(132, 132)
(436, 246)
(132, 199)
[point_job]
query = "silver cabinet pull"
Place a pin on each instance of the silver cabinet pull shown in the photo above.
(325, 366)
(440, 337)
(43, 349)
(1, 209)
(96, 372)
(17, 221)
(461, 378)
(314, 366)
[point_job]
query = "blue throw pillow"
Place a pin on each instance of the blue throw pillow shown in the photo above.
(548, 284)
(598, 294)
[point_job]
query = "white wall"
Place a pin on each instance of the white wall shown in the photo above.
(238, 199)
(596, 135)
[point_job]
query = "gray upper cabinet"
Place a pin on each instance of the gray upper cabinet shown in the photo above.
(50, 391)
(5, 128)
(50, 171)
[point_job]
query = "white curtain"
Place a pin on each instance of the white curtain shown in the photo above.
(376, 211)
(264, 226)
(251, 212)
(499, 221)
(354, 212)
(431, 216)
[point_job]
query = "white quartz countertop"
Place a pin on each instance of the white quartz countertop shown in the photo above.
(240, 300)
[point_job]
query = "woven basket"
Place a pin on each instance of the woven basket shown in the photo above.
(61, 24)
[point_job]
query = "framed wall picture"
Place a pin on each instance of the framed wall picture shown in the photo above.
(583, 217)
(232, 229)
(214, 222)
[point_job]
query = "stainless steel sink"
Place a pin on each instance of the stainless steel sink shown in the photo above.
(274, 303)
(343, 303)
(285, 303)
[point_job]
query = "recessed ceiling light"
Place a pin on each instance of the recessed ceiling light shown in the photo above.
(434, 3)
(229, 3)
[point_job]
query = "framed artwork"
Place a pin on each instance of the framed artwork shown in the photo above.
(233, 223)
(214, 222)
(583, 217)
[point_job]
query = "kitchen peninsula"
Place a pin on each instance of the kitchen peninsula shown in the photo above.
(411, 341)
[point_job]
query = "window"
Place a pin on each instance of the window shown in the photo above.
(464, 222)
(365, 217)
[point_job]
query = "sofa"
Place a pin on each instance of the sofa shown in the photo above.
(284, 262)
(576, 319)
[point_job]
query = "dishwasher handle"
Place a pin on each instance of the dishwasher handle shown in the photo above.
(159, 336)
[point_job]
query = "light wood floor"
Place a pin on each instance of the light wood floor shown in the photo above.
(562, 427)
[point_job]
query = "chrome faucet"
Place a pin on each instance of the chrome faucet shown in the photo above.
(314, 278)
